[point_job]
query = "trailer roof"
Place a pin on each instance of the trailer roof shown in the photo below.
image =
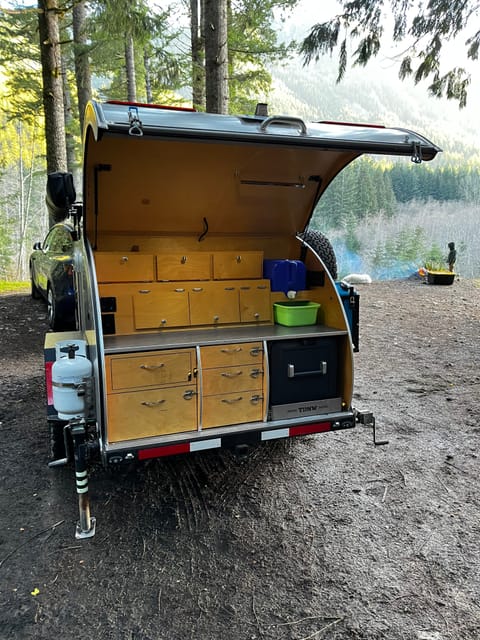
(154, 120)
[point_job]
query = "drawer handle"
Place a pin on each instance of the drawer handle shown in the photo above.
(254, 373)
(157, 403)
(239, 258)
(229, 288)
(227, 374)
(152, 367)
(197, 288)
(124, 259)
(188, 395)
(256, 399)
(236, 350)
(256, 315)
(232, 400)
(144, 291)
(291, 373)
(183, 260)
(256, 351)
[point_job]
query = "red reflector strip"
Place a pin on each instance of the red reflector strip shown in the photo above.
(304, 430)
(158, 452)
(48, 382)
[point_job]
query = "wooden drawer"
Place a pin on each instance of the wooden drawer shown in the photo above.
(255, 302)
(232, 379)
(231, 265)
(214, 303)
(187, 266)
(142, 414)
(149, 369)
(233, 408)
(158, 307)
(225, 355)
(124, 267)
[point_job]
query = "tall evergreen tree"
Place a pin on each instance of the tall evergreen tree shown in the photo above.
(426, 27)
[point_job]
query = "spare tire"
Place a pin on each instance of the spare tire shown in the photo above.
(323, 247)
(60, 196)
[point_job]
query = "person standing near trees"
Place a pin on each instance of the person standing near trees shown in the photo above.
(452, 256)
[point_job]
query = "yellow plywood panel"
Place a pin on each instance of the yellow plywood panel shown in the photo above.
(255, 303)
(234, 408)
(232, 354)
(114, 266)
(232, 379)
(184, 266)
(155, 309)
(231, 265)
(149, 369)
(143, 414)
(214, 303)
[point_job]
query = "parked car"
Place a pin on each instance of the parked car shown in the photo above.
(51, 274)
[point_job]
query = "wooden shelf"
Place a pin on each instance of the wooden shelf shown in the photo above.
(213, 336)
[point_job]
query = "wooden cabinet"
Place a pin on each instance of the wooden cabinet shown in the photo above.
(236, 265)
(151, 393)
(142, 414)
(154, 393)
(224, 355)
(234, 408)
(149, 369)
(195, 265)
(232, 383)
(112, 266)
(161, 307)
(214, 303)
(255, 302)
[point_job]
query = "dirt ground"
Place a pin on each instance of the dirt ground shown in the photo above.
(321, 537)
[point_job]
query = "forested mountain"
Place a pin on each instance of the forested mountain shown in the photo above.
(390, 217)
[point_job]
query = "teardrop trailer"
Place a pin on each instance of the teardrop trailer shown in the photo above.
(208, 313)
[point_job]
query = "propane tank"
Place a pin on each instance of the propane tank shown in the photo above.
(70, 374)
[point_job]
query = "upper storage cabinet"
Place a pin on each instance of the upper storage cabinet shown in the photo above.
(236, 265)
(115, 266)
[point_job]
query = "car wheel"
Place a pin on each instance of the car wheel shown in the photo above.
(52, 311)
(322, 245)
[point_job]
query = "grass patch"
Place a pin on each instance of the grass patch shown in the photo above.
(7, 286)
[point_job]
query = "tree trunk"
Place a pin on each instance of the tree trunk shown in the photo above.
(130, 68)
(52, 85)
(67, 110)
(82, 63)
(148, 78)
(198, 57)
(216, 56)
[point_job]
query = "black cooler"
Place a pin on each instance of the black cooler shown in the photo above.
(304, 377)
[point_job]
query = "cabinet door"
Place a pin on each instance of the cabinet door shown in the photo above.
(223, 355)
(233, 408)
(112, 266)
(232, 265)
(149, 369)
(157, 308)
(255, 303)
(187, 266)
(232, 379)
(143, 414)
(214, 304)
